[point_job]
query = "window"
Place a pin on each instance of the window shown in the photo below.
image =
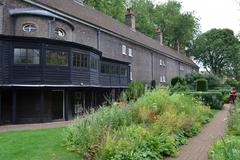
(60, 32)
(162, 78)
(124, 50)
(26, 56)
(29, 27)
(162, 62)
(54, 57)
(80, 60)
(105, 68)
(115, 70)
(131, 76)
(123, 71)
(94, 63)
(130, 52)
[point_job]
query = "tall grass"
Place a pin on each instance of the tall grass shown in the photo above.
(228, 148)
(150, 128)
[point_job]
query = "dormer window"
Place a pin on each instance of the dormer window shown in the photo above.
(29, 27)
(60, 32)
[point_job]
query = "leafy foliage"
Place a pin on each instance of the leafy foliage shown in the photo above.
(150, 128)
(231, 83)
(228, 148)
(177, 79)
(179, 28)
(214, 99)
(215, 49)
(202, 85)
(135, 90)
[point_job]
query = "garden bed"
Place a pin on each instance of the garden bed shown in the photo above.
(151, 128)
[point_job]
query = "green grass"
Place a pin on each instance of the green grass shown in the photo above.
(44, 144)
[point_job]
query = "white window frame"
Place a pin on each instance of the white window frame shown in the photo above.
(164, 78)
(124, 49)
(130, 52)
(161, 79)
(29, 27)
(164, 64)
(160, 62)
(181, 68)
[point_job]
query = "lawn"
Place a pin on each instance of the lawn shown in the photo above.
(44, 144)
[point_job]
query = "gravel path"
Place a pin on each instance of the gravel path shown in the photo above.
(18, 127)
(199, 146)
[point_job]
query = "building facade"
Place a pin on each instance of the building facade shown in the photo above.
(60, 58)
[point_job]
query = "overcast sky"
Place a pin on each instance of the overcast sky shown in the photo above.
(214, 13)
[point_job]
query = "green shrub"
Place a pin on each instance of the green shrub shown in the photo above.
(191, 78)
(213, 81)
(178, 88)
(231, 83)
(212, 99)
(135, 90)
(86, 132)
(202, 85)
(153, 84)
(150, 128)
(227, 148)
(176, 80)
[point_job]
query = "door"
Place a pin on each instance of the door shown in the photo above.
(57, 104)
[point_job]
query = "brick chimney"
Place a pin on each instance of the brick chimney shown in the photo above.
(158, 35)
(130, 19)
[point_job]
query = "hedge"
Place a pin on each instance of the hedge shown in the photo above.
(202, 85)
(178, 79)
(212, 99)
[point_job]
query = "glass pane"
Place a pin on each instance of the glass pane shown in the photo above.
(56, 58)
(26, 56)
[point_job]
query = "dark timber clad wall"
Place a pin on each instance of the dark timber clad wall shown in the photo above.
(53, 75)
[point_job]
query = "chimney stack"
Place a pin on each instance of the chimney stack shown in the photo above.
(130, 19)
(158, 35)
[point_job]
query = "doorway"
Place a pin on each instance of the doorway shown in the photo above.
(57, 105)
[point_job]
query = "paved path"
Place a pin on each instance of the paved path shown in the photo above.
(198, 146)
(6, 128)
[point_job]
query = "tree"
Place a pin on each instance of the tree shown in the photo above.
(216, 49)
(114, 8)
(143, 10)
(179, 29)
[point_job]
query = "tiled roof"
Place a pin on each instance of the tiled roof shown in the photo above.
(103, 21)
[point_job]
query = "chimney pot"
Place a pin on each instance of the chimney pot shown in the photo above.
(130, 11)
(130, 19)
(158, 35)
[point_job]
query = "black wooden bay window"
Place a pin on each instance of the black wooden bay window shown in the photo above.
(115, 70)
(80, 60)
(54, 57)
(93, 63)
(123, 71)
(105, 68)
(26, 56)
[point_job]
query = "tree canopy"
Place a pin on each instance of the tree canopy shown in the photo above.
(218, 50)
(179, 28)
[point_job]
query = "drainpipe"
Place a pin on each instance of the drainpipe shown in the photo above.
(98, 39)
(50, 22)
(152, 66)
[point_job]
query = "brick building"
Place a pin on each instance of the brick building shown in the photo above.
(59, 58)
